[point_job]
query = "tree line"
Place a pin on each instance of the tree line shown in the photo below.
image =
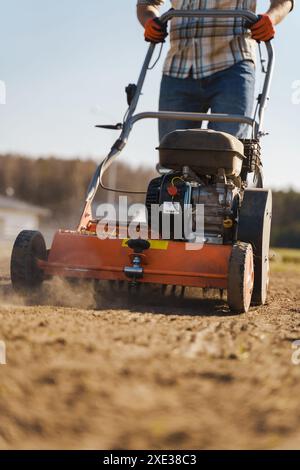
(61, 185)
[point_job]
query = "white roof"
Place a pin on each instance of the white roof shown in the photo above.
(13, 204)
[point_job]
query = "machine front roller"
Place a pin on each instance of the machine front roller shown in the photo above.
(29, 247)
(240, 278)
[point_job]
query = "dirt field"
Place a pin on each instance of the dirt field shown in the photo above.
(163, 374)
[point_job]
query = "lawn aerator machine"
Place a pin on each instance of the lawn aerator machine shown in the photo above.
(197, 167)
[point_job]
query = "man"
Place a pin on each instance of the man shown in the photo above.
(211, 62)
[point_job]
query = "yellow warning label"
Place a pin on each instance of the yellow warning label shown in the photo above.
(154, 244)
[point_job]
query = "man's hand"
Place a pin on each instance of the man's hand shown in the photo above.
(155, 31)
(263, 29)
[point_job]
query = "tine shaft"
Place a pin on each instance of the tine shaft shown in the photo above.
(164, 289)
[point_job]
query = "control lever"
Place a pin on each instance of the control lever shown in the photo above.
(130, 92)
(116, 127)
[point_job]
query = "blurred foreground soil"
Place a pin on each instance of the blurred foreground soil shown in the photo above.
(148, 373)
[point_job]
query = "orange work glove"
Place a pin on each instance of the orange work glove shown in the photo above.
(263, 29)
(155, 31)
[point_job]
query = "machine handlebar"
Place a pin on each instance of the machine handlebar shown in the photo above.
(211, 13)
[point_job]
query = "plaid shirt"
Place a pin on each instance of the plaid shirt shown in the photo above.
(202, 51)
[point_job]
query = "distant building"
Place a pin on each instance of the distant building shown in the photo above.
(16, 216)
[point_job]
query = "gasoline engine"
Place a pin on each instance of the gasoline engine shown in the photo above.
(177, 193)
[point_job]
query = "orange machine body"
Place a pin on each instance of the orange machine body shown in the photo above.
(84, 255)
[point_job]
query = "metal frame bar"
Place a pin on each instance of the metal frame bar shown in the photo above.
(131, 118)
(169, 115)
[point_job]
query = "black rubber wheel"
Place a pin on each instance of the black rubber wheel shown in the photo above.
(254, 227)
(25, 273)
(240, 278)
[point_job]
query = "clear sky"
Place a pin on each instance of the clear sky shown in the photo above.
(66, 63)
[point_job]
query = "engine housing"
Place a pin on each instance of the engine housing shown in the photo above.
(175, 191)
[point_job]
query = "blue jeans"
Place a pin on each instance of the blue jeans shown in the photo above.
(230, 91)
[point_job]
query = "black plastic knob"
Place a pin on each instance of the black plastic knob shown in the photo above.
(138, 246)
